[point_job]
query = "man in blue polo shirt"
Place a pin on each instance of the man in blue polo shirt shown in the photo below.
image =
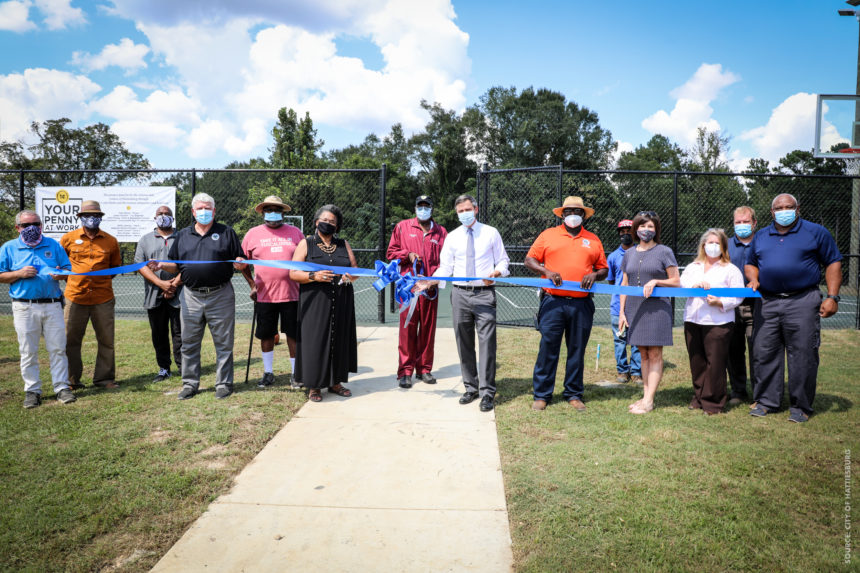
(784, 265)
(632, 370)
(26, 264)
(744, 223)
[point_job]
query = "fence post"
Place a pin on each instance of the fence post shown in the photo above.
(674, 227)
(560, 185)
(193, 183)
(383, 173)
(21, 191)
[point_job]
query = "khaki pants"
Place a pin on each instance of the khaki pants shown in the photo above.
(77, 316)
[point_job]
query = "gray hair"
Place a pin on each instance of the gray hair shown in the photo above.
(463, 198)
(26, 212)
(793, 198)
(203, 198)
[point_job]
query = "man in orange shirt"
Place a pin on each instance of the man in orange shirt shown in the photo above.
(565, 253)
(91, 298)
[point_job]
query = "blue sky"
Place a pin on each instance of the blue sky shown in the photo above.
(197, 83)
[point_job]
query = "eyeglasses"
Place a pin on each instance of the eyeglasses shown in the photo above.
(272, 210)
(25, 225)
(648, 213)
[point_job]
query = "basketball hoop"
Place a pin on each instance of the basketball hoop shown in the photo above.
(850, 150)
(852, 159)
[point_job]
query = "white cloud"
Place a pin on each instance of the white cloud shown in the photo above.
(692, 107)
(791, 126)
(39, 94)
(14, 16)
(623, 146)
(126, 54)
(59, 14)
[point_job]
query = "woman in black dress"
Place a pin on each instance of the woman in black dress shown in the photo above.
(649, 318)
(326, 345)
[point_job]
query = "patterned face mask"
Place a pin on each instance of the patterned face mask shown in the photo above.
(164, 221)
(31, 235)
(91, 221)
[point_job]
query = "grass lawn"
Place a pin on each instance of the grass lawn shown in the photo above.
(675, 490)
(113, 480)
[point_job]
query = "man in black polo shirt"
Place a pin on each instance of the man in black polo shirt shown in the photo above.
(784, 264)
(208, 296)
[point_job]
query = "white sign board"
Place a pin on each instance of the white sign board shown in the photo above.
(129, 212)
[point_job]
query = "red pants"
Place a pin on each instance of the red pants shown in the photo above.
(418, 339)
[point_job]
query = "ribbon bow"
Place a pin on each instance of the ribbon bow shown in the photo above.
(387, 274)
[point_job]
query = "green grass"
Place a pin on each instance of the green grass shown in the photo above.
(113, 480)
(674, 490)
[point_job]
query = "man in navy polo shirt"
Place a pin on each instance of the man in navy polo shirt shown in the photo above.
(742, 334)
(784, 265)
(25, 264)
(208, 296)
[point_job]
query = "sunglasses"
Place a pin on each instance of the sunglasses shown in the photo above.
(648, 213)
(25, 225)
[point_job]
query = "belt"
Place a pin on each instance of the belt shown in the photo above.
(474, 288)
(787, 294)
(38, 300)
(207, 290)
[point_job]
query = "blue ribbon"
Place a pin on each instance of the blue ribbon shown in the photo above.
(387, 273)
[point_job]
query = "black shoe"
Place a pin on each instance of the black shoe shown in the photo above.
(32, 400)
(468, 397)
(405, 381)
(223, 391)
(487, 403)
(267, 380)
(427, 378)
(187, 392)
(76, 385)
(163, 374)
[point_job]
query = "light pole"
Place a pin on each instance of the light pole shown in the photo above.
(855, 183)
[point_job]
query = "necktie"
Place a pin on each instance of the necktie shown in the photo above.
(470, 252)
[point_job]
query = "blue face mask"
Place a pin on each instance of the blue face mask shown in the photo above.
(786, 217)
(466, 217)
(273, 217)
(423, 213)
(91, 222)
(743, 230)
(203, 216)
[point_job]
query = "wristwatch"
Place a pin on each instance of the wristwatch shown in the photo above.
(312, 275)
(835, 297)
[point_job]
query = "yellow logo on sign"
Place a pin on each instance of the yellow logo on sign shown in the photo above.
(62, 196)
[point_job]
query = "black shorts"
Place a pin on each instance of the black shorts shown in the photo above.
(268, 314)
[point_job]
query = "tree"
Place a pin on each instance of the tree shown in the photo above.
(296, 144)
(59, 147)
(659, 154)
(535, 128)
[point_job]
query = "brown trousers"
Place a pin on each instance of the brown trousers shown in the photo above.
(77, 317)
(708, 347)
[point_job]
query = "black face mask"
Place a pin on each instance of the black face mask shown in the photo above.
(326, 228)
(626, 240)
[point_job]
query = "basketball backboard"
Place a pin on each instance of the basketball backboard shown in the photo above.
(837, 120)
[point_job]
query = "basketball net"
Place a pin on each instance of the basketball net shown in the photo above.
(851, 157)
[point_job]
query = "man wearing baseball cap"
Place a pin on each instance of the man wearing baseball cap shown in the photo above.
(91, 298)
(567, 252)
(274, 293)
(631, 370)
(418, 242)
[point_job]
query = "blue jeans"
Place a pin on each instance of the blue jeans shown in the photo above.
(571, 318)
(634, 368)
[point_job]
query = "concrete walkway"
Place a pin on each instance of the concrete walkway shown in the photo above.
(387, 480)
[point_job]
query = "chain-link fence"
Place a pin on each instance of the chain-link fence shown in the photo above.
(518, 202)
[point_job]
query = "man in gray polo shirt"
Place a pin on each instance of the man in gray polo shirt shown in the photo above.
(161, 293)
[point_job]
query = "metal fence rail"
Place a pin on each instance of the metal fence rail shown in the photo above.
(518, 202)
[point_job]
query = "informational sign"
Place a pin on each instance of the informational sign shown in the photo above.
(129, 212)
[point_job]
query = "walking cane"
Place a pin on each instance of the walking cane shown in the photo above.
(251, 342)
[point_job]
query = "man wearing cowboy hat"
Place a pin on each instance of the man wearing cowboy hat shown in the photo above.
(567, 252)
(91, 298)
(274, 293)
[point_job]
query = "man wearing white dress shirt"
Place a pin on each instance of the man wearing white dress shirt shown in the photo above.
(474, 250)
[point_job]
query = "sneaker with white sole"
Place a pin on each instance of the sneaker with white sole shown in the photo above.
(65, 396)
(32, 400)
(267, 380)
(295, 384)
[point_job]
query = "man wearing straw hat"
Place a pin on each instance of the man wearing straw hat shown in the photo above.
(91, 298)
(567, 252)
(274, 293)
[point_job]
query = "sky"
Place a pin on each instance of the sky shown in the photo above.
(198, 83)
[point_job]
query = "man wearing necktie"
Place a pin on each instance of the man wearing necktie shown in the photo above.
(474, 250)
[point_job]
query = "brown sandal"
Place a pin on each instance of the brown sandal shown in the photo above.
(315, 396)
(340, 390)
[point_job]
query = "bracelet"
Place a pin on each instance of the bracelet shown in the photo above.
(312, 275)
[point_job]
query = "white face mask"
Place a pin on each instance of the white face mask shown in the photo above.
(573, 221)
(712, 250)
(423, 213)
(466, 217)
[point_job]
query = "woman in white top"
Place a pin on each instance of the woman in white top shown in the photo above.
(708, 321)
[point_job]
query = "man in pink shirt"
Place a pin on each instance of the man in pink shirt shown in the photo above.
(275, 295)
(418, 241)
